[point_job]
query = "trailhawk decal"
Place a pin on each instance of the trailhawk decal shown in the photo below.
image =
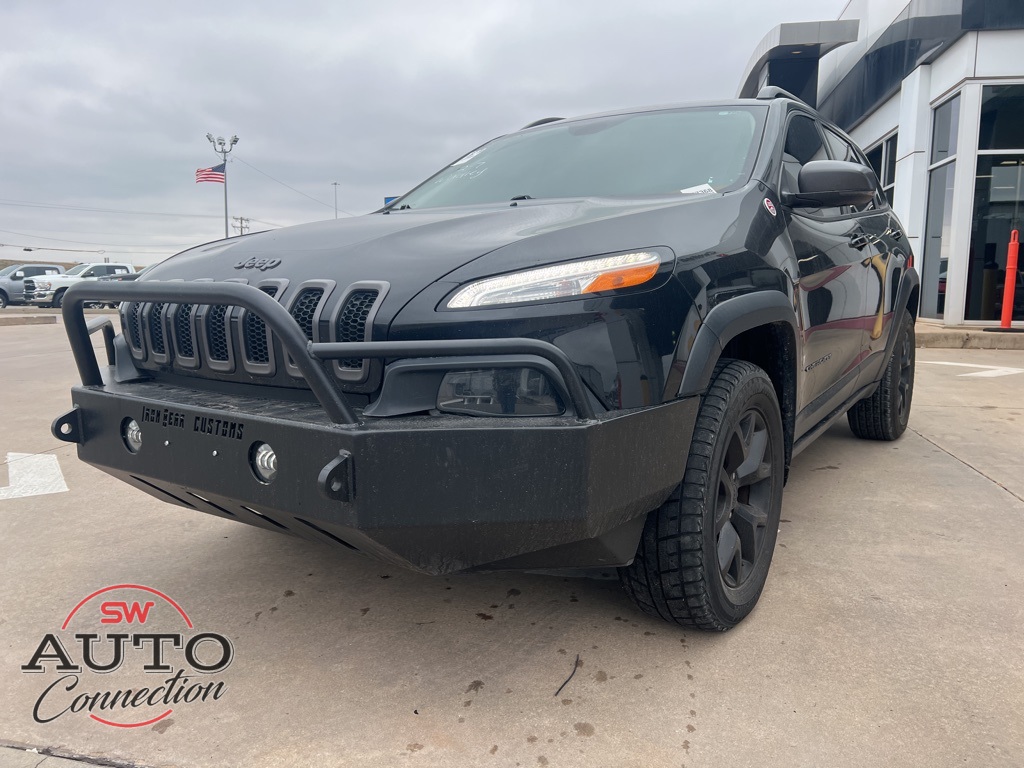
(127, 678)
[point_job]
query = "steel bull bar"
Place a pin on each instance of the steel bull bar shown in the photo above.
(311, 358)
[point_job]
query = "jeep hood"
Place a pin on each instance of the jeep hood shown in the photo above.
(411, 250)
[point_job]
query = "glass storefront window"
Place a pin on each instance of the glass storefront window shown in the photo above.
(874, 156)
(889, 177)
(1002, 117)
(944, 130)
(937, 240)
(882, 157)
(998, 210)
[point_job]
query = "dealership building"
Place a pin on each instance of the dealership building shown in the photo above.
(933, 91)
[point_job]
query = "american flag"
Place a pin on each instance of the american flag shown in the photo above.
(216, 173)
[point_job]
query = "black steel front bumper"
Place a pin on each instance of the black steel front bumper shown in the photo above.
(435, 493)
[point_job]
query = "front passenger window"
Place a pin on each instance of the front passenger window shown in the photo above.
(803, 144)
(843, 150)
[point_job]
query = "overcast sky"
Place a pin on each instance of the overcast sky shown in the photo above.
(106, 105)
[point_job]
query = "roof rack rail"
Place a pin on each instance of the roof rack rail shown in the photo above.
(770, 92)
(542, 121)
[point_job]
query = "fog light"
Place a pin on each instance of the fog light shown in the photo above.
(263, 461)
(131, 433)
(499, 392)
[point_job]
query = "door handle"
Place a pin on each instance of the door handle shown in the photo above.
(859, 241)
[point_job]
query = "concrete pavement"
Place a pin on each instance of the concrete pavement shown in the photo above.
(888, 634)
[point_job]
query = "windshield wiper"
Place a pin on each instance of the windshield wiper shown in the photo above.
(522, 197)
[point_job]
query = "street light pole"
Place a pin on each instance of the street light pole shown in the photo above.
(335, 198)
(223, 147)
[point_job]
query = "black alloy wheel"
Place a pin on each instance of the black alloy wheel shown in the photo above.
(885, 414)
(744, 499)
(704, 555)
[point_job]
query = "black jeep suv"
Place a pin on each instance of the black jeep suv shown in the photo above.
(594, 342)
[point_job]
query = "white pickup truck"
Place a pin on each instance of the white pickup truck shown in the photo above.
(48, 291)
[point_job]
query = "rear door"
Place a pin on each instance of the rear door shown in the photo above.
(17, 284)
(884, 254)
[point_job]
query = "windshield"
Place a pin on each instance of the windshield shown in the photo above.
(7, 270)
(694, 150)
(77, 270)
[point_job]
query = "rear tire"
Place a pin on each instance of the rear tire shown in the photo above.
(884, 415)
(704, 554)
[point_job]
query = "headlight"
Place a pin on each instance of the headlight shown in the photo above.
(43, 284)
(576, 278)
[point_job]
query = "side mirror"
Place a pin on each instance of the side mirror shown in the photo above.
(831, 183)
(18, 276)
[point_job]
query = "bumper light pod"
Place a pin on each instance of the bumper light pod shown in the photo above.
(131, 433)
(263, 462)
(499, 392)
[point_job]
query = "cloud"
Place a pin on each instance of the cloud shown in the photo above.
(107, 105)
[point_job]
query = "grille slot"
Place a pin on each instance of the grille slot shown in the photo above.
(304, 309)
(183, 330)
(134, 324)
(257, 346)
(217, 332)
(352, 323)
(156, 329)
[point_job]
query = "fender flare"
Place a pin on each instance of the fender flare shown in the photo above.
(722, 324)
(908, 282)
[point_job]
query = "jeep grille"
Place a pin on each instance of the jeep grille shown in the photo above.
(226, 342)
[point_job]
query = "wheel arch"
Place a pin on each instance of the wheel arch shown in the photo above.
(760, 328)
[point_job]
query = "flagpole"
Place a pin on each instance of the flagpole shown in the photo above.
(226, 234)
(223, 147)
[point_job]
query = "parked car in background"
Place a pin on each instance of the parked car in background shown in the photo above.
(48, 291)
(12, 280)
(123, 277)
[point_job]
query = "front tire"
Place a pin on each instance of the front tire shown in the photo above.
(704, 554)
(885, 415)
(3, 300)
(58, 300)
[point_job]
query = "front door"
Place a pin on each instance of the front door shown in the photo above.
(831, 285)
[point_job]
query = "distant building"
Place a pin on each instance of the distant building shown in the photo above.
(934, 92)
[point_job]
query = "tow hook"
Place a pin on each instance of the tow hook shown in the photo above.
(68, 427)
(337, 479)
